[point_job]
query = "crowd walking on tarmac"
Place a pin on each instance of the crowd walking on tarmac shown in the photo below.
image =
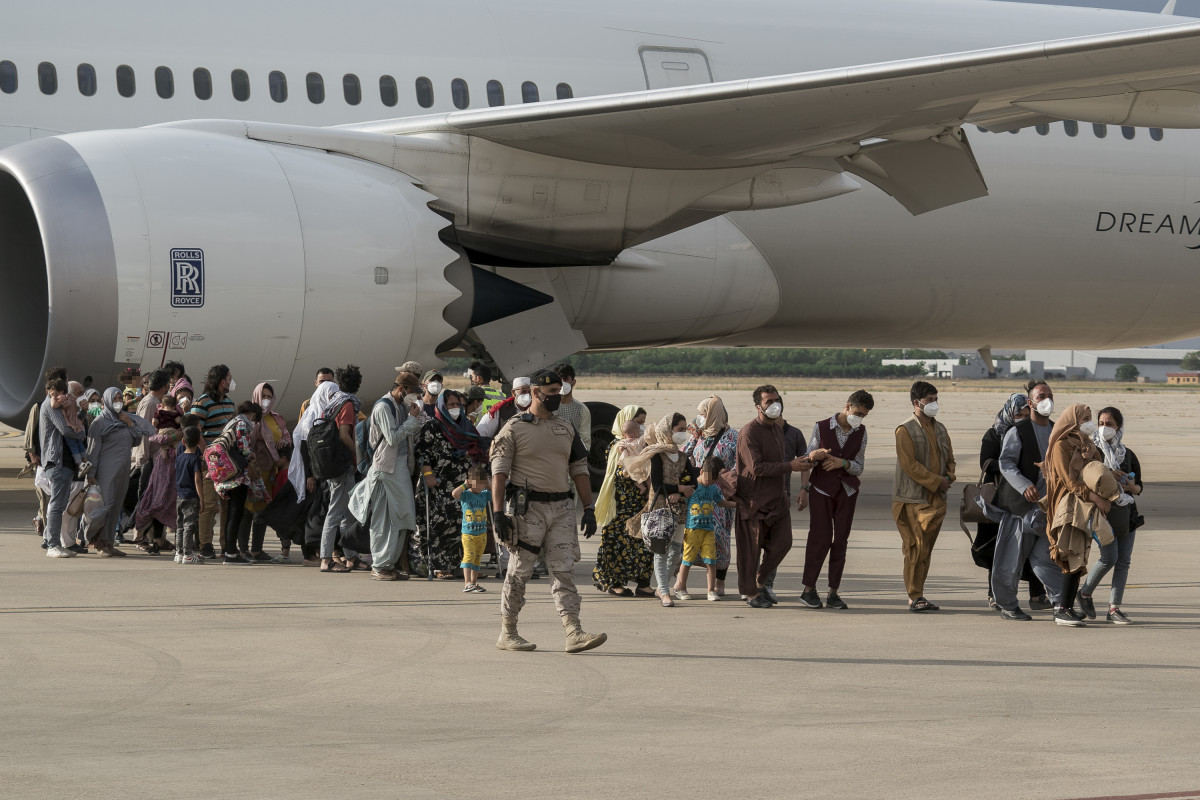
(452, 484)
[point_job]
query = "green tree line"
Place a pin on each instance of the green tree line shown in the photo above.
(753, 362)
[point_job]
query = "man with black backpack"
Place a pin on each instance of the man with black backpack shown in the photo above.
(331, 450)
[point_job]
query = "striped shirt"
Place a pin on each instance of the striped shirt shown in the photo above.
(216, 415)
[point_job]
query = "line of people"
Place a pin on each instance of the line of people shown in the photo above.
(403, 487)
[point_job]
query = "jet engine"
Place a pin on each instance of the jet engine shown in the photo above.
(129, 248)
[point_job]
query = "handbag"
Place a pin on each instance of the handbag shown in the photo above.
(969, 510)
(75, 507)
(658, 528)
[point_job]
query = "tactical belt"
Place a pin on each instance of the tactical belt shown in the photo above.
(531, 548)
(550, 497)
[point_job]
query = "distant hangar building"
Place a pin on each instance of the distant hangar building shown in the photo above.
(1152, 363)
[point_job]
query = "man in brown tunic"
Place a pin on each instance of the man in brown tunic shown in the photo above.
(764, 522)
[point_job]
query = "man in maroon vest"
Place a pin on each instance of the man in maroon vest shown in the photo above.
(837, 449)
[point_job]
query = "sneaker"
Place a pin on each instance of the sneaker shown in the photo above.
(833, 601)
(769, 591)
(759, 601)
(1117, 617)
(681, 595)
(1065, 616)
(78, 549)
(1015, 615)
(207, 551)
(470, 587)
(810, 598)
(178, 557)
(1040, 603)
(1086, 605)
(84, 468)
(45, 545)
(191, 559)
(282, 558)
(59, 552)
(744, 596)
(479, 589)
(261, 558)
(233, 558)
(713, 597)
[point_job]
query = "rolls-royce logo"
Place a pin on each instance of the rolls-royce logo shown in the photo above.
(1149, 222)
(187, 278)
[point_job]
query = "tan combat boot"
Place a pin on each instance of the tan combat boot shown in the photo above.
(577, 640)
(510, 639)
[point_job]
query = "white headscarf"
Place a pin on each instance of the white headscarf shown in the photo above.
(318, 406)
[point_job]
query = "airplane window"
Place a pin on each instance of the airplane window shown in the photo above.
(1071, 127)
(1100, 130)
(1156, 134)
(164, 83)
(389, 93)
(126, 84)
(424, 92)
(1042, 130)
(241, 85)
(47, 78)
(1128, 132)
(495, 92)
(86, 75)
(8, 77)
(277, 85)
(316, 87)
(563, 91)
(459, 93)
(202, 83)
(352, 89)
(529, 92)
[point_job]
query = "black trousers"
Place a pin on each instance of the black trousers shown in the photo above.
(233, 536)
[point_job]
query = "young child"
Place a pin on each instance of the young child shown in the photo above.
(700, 535)
(630, 445)
(474, 497)
(189, 497)
(60, 399)
(167, 415)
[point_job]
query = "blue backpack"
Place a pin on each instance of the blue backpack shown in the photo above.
(362, 437)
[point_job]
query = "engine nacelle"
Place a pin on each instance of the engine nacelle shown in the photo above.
(134, 247)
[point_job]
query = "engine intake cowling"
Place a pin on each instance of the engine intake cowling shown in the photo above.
(130, 248)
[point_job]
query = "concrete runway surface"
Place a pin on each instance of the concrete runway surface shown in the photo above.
(139, 678)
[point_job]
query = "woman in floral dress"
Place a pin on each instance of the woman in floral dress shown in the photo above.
(621, 558)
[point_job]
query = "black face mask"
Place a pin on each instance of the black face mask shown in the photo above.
(551, 402)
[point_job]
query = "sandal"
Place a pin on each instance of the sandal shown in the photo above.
(921, 604)
(357, 564)
(335, 567)
(667, 601)
(620, 591)
(644, 591)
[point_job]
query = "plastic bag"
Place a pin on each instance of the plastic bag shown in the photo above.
(93, 503)
(42, 481)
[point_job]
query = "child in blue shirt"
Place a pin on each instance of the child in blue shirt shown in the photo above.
(474, 497)
(700, 534)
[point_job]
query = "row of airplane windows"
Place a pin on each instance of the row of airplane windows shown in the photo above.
(277, 86)
(1071, 127)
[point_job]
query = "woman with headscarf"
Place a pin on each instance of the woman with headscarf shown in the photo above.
(671, 481)
(1070, 449)
(158, 501)
(111, 437)
(271, 442)
(91, 405)
(247, 486)
(1124, 520)
(983, 552)
(714, 437)
(621, 558)
(445, 449)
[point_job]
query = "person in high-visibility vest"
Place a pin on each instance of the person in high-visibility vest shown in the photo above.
(481, 375)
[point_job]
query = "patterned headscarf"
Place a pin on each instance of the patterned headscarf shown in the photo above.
(460, 433)
(264, 430)
(606, 501)
(1008, 415)
(1114, 451)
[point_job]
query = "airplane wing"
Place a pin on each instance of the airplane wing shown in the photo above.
(1147, 78)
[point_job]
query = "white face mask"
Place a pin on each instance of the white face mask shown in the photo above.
(680, 438)
(1045, 407)
(1088, 428)
(434, 388)
(930, 409)
(118, 407)
(523, 400)
(232, 385)
(455, 413)
(642, 430)
(1108, 434)
(95, 406)
(185, 404)
(853, 420)
(266, 403)
(699, 421)
(566, 390)
(774, 410)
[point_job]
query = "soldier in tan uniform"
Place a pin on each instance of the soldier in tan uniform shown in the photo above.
(539, 456)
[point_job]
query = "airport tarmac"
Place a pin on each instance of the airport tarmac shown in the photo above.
(139, 678)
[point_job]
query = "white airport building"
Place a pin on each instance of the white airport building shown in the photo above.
(1152, 363)
(971, 365)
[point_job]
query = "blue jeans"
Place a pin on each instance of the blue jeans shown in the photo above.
(1116, 554)
(60, 493)
(666, 565)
